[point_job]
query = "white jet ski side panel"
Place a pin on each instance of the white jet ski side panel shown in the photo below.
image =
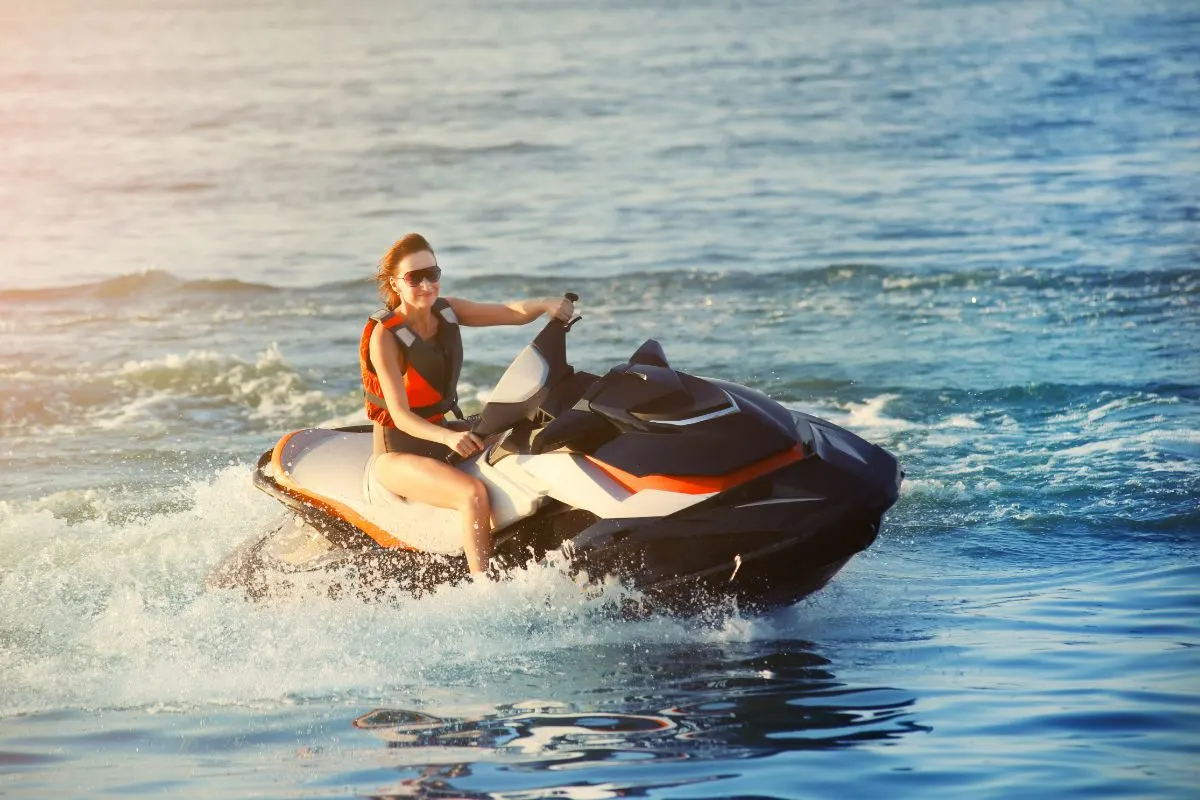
(578, 482)
(333, 469)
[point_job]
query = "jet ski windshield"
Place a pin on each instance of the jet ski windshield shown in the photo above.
(524, 378)
(528, 381)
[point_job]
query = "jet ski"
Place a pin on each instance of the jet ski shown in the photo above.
(689, 490)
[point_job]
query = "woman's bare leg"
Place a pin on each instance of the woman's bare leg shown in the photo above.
(427, 480)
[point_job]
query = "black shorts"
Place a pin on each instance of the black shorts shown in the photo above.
(394, 440)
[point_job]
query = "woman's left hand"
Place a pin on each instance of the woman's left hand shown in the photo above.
(559, 308)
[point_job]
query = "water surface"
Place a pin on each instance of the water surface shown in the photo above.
(967, 232)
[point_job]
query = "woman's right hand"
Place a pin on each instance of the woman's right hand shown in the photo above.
(559, 308)
(464, 443)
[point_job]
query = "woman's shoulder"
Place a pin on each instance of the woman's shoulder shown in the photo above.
(384, 346)
(379, 333)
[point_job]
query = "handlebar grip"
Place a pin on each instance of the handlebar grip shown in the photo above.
(453, 458)
(574, 298)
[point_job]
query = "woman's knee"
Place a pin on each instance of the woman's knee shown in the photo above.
(474, 493)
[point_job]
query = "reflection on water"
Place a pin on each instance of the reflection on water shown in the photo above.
(679, 707)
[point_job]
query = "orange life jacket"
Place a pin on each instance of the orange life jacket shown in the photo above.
(431, 373)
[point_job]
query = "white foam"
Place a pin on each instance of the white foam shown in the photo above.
(952, 489)
(106, 612)
(270, 387)
(959, 421)
(356, 417)
(862, 418)
(140, 413)
(869, 415)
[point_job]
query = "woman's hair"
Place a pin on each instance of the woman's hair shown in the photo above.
(406, 245)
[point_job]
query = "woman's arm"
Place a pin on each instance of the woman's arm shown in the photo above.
(518, 312)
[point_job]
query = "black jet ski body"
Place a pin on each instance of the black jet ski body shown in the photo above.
(687, 489)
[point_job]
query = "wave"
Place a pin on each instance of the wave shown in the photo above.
(949, 401)
(1185, 281)
(714, 276)
(1075, 463)
(138, 285)
(443, 152)
(194, 388)
(165, 187)
(121, 286)
(224, 286)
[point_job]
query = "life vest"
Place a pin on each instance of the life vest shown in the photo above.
(431, 374)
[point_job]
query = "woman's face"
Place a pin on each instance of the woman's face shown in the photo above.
(426, 291)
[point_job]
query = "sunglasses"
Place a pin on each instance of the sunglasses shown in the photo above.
(432, 274)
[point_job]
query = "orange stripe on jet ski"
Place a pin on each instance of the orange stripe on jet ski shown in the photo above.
(700, 484)
(285, 481)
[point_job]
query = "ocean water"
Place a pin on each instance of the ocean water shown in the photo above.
(969, 232)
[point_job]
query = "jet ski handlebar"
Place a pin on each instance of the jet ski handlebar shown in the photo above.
(508, 407)
(574, 298)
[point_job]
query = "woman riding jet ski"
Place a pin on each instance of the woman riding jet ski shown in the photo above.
(688, 489)
(410, 356)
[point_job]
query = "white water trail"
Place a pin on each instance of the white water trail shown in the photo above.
(114, 613)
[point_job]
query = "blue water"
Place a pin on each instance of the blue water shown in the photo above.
(969, 232)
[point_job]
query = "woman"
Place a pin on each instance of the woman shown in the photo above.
(410, 355)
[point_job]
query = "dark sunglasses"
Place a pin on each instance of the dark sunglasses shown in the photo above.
(432, 274)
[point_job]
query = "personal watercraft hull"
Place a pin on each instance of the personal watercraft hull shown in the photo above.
(689, 490)
(765, 543)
